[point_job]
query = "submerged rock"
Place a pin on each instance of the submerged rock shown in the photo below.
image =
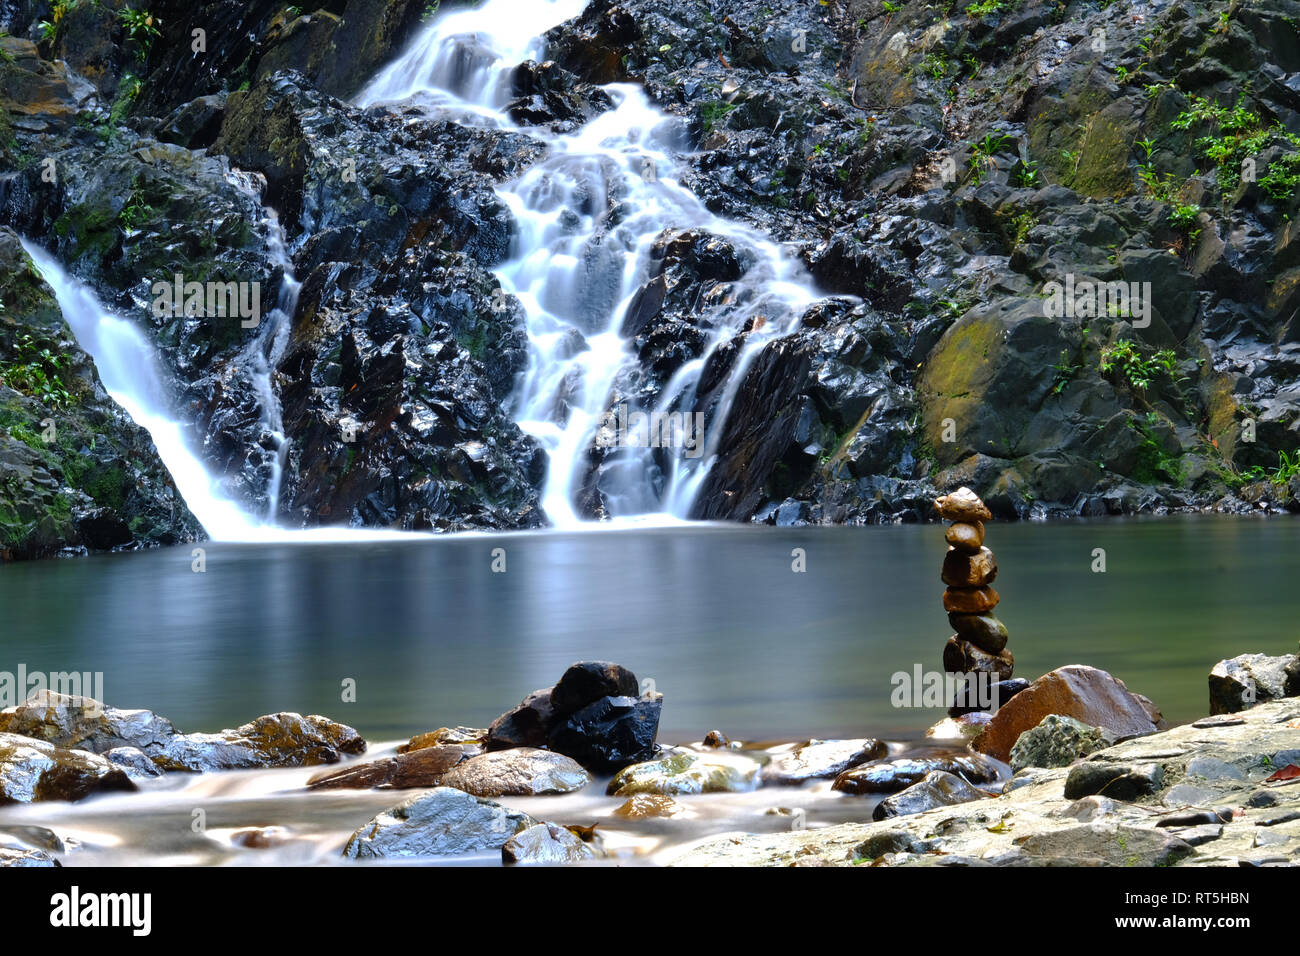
(644, 805)
(547, 843)
(33, 770)
(443, 822)
(1087, 694)
(687, 773)
(1057, 742)
(936, 789)
(468, 737)
(821, 760)
(520, 772)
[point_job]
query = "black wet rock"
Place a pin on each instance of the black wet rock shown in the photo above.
(587, 681)
(611, 733)
(1118, 781)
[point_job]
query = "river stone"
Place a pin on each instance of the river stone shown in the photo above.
(1087, 694)
(1248, 679)
(1057, 742)
(547, 843)
(26, 857)
(936, 789)
(425, 767)
(1101, 844)
(611, 733)
(822, 760)
(33, 770)
(965, 536)
(643, 805)
(588, 681)
(1114, 780)
(687, 773)
(965, 726)
(442, 822)
(970, 600)
(276, 740)
(521, 772)
(985, 631)
(964, 570)
(962, 657)
(85, 724)
(962, 505)
(134, 761)
(895, 775)
(527, 725)
(469, 737)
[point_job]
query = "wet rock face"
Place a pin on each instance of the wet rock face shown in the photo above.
(275, 740)
(687, 773)
(33, 770)
(936, 789)
(1241, 682)
(75, 472)
(426, 767)
(518, 772)
(894, 775)
(443, 822)
(547, 844)
(822, 760)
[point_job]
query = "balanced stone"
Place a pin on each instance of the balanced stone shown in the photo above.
(970, 600)
(962, 657)
(965, 535)
(962, 505)
(985, 631)
(962, 569)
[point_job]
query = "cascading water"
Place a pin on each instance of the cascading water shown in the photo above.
(574, 276)
(126, 364)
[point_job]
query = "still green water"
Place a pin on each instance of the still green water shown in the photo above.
(714, 615)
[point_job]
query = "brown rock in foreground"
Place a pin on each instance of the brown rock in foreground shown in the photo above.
(1085, 693)
(965, 536)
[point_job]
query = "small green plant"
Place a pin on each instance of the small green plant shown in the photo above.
(1153, 462)
(1126, 360)
(981, 159)
(713, 113)
(1027, 175)
(36, 372)
(985, 8)
(1184, 218)
(1065, 373)
(1236, 137)
(890, 7)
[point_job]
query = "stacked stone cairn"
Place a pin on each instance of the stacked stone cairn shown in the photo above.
(980, 645)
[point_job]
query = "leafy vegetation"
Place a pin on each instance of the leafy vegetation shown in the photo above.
(1235, 139)
(37, 372)
(1126, 360)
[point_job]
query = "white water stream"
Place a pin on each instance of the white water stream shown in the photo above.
(574, 274)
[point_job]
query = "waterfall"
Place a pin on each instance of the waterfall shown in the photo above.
(127, 365)
(576, 281)
(128, 368)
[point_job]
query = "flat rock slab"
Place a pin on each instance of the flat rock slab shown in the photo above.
(442, 822)
(1035, 824)
(522, 772)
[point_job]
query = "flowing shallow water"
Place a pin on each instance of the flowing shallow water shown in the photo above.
(731, 636)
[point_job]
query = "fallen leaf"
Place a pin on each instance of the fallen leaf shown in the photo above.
(1289, 772)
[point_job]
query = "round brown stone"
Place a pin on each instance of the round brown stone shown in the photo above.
(965, 535)
(970, 600)
(962, 505)
(963, 570)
